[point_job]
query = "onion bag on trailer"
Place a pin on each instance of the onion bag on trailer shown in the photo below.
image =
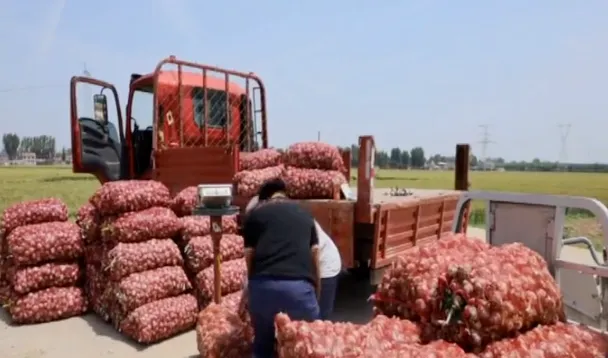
(32, 212)
(233, 278)
(554, 341)
(47, 305)
(381, 337)
(155, 222)
(185, 201)
(313, 155)
(260, 159)
(248, 182)
(409, 285)
(312, 183)
(199, 251)
(129, 258)
(161, 319)
(504, 290)
(222, 333)
(201, 226)
(435, 349)
(118, 197)
(37, 243)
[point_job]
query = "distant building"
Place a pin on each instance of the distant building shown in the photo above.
(25, 158)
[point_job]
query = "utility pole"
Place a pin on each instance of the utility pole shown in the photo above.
(85, 72)
(318, 136)
(485, 140)
(564, 132)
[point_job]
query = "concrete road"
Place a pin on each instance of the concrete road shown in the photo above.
(88, 335)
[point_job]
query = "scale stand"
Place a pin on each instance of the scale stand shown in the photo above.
(215, 201)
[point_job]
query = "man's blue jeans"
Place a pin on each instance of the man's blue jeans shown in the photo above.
(269, 296)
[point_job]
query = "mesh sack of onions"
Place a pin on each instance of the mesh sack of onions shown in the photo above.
(504, 290)
(94, 288)
(195, 225)
(409, 285)
(141, 288)
(553, 341)
(38, 243)
(248, 182)
(162, 319)
(381, 337)
(32, 212)
(28, 279)
(199, 251)
(233, 278)
(185, 201)
(221, 331)
(329, 339)
(129, 258)
(435, 349)
(313, 155)
(312, 183)
(47, 305)
(87, 219)
(155, 222)
(123, 196)
(260, 159)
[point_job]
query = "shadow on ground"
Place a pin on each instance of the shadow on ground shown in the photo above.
(105, 329)
(351, 303)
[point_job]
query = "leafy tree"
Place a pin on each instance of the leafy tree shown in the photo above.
(417, 158)
(473, 160)
(405, 159)
(395, 158)
(11, 144)
(43, 146)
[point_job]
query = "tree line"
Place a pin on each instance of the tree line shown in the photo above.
(43, 146)
(416, 158)
(396, 158)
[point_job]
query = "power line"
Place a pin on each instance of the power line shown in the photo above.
(28, 88)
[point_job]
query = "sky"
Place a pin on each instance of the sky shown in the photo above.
(411, 73)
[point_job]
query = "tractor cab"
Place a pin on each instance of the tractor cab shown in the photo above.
(193, 113)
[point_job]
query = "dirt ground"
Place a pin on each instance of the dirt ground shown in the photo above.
(88, 335)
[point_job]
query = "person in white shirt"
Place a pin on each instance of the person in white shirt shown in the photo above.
(330, 265)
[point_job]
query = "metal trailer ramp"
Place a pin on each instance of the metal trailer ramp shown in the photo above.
(538, 221)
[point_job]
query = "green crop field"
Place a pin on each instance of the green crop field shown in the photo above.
(22, 183)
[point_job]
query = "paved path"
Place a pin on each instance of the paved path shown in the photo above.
(89, 336)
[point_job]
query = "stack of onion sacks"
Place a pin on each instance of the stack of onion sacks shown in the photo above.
(40, 276)
(313, 170)
(256, 168)
(135, 271)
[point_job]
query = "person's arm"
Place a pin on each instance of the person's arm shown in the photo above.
(314, 248)
(250, 236)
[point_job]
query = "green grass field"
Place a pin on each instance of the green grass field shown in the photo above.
(23, 183)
